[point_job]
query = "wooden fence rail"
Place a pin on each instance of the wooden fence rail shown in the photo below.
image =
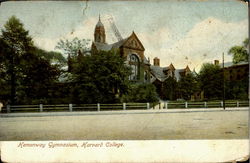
(120, 106)
(75, 107)
(209, 104)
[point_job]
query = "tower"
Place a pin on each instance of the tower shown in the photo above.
(100, 32)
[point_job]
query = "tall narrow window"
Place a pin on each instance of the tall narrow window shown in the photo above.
(134, 64)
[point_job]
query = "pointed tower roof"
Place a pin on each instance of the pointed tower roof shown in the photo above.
(99, 23)
(187, 69)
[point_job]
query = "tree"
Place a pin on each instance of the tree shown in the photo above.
(237, 89)
(39, 77)
(18, 41)
(246, 43)
(4, 70)
(72, 47)
(141, 93)
(102, 77)
(51, 56)
(26, 75)
(188, 85)
(169, 90)
(211, 80)
(240, 53)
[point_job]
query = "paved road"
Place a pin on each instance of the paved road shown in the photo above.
(127, 125)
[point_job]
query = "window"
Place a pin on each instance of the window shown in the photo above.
(134, 64)
(134, 58)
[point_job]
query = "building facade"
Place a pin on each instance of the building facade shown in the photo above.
(133, 50)
(234, 72)
(161, 74)
(130, 48)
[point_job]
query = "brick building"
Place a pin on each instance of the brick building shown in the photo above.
(160, 74)
(234, 72)
(131, 48)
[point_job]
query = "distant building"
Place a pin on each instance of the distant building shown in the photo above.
(235, 72)
(160, 74)
(131, 48)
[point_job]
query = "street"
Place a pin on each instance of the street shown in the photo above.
(127, 125)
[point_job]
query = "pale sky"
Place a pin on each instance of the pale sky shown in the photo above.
(176, 31)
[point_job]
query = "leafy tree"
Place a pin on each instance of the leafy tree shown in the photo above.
(141, 93)
(99, 78)
(246, 43)
(237, 89)
(51, 56)
(169, 90)
(39, 77)
(4, 70)
(188, 85)
(240, 53)
(211, 80)
(72, 47)
(26, 75)
(18, 41)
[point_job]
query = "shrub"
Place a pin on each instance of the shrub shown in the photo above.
(141, 93)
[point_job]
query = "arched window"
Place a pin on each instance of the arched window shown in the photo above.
(134, 64)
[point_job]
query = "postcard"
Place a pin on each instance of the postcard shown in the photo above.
(124, 81)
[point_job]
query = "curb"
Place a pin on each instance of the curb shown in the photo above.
(151, 111)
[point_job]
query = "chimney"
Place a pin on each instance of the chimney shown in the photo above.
(156, 61)
(216, 62)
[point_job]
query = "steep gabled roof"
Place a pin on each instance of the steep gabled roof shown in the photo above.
(158, 73)
(102, 46)
(134, 35)
(107, 47)
(187, 69)
(177, 73)
(161, 74)
(118, 44)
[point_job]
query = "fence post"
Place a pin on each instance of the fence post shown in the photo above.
(166, 105)
(186, 104)
(159, 105)
(238, 104)
(205, 104)
(98, 107)
(124, 106)
(221, 103)
(70, 107)
(148, 106)
(41, 107)
(8, 108)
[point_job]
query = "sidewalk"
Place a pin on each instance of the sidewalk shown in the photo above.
(150, 111)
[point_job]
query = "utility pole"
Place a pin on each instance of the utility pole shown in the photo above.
(223, 71)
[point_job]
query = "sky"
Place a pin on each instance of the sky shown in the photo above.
(180, 32)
